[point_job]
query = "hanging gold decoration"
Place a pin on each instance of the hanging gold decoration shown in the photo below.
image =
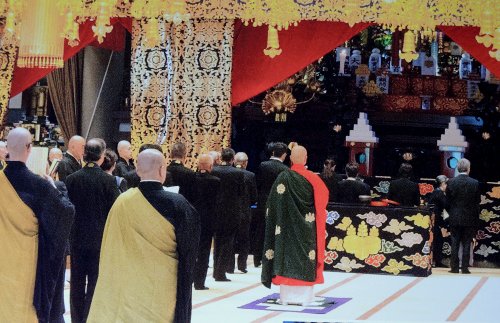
(273, 46)
(41, 43)
(279, 102)
(420, 16)
(409, 52)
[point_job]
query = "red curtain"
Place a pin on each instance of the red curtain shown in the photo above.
(466, 38)
(25, 77)
(253, 72)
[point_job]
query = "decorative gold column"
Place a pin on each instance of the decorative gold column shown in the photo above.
(181, 89)
(7, 61)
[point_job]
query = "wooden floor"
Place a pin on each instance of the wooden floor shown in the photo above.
(374, 298)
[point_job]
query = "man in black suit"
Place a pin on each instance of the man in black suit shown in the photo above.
(330, 178)
(438, 200)
(242, 242)
(403, 190)
(463, 198)
(72, 160)
(351, 188)
(125, 164)
(267, 173)
(3, 154)
(228, 213)
(206, 190)
(180, 175)
(93, 192)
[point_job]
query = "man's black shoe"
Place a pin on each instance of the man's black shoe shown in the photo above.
(222, 279)
(201, 287)
(453, 271)
(243, 270)
(465, 271)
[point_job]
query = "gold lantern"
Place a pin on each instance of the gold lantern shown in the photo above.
(41, 42)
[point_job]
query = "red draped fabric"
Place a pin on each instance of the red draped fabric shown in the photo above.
(466, 38)
(253, 72)
(25, 77)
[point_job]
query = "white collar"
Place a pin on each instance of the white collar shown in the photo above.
(351, 178)
(150, 180)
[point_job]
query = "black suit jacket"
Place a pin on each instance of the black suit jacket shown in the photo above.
(205, 199)
(250, 192)
(332, 183)
(349, 191)
(404, 191)
(67, 166)
(232, 190)
(462, 201)
(266, 175)
(180, 175)
(93, 192)
(438, 201)
(127, 171)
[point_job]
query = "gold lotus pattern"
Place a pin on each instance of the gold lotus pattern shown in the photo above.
(181, 89)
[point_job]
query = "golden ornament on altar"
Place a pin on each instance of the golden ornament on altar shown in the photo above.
(371, 89)
(362, 70)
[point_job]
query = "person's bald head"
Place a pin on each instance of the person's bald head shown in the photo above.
(241, 159)
(215, 156)
(19, 143)
(205, 163)
(76, 147)
(124, 150)
(55, 153)
(3, 150)
(151, 166)
(298, 155)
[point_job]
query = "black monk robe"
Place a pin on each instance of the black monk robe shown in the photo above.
(54, 214)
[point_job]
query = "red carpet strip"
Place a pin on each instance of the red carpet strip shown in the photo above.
(321, 292)
(463, 305)
(390, 299)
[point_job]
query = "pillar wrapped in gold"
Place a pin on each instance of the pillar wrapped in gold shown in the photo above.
(41, 42)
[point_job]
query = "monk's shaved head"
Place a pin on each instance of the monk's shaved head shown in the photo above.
(299, 155)
(205, 162)
(151, 165)
(18, 143)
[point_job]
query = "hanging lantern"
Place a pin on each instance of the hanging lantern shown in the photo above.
(41, 43)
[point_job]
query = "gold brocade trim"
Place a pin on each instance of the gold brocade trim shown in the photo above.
(181, 88)
(7, 60)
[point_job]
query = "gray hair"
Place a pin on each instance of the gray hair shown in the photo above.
(463, 165)
(441, 179)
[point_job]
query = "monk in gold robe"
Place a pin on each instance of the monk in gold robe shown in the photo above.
(35, 222)
(148, 252)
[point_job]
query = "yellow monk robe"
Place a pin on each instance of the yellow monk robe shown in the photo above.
(18, 256)
(138, 265)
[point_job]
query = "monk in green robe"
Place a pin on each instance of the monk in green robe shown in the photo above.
(148, 252)
(295, 227)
